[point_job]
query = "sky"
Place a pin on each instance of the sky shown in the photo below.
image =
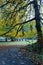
(30, 0)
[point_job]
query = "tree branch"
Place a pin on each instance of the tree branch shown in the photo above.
(4, 4)
(16, 25)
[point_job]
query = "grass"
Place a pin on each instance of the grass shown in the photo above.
(33, 52)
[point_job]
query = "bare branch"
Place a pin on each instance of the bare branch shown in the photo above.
(19, 29)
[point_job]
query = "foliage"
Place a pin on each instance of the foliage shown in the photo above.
(15, 18)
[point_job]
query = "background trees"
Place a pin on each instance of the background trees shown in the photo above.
(17, 16)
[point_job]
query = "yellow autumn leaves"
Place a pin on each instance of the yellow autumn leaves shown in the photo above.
(16, 17)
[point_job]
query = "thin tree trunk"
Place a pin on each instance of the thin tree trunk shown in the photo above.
(11, 38)
(6, 39)
(38, 26)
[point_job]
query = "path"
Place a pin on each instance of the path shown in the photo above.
(12, 56)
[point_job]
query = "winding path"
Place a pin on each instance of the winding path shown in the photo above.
(12, 56)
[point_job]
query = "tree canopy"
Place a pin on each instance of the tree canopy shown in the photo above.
(17, 16)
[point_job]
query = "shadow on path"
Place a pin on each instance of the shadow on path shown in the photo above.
(12, 56)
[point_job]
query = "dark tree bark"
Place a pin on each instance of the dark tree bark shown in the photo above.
(6, 39)
(38, 26)
(12, 39)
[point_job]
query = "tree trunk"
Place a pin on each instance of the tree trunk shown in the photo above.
(11, 38)
(38, 26)
(6, 39)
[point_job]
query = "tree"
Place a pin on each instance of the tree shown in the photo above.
(11, 8)
(38, 26)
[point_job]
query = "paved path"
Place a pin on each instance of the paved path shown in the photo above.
(12, 56)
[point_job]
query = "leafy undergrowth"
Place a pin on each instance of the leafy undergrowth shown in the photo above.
(33, 52)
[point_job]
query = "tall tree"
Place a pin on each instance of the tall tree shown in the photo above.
(38, 26)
